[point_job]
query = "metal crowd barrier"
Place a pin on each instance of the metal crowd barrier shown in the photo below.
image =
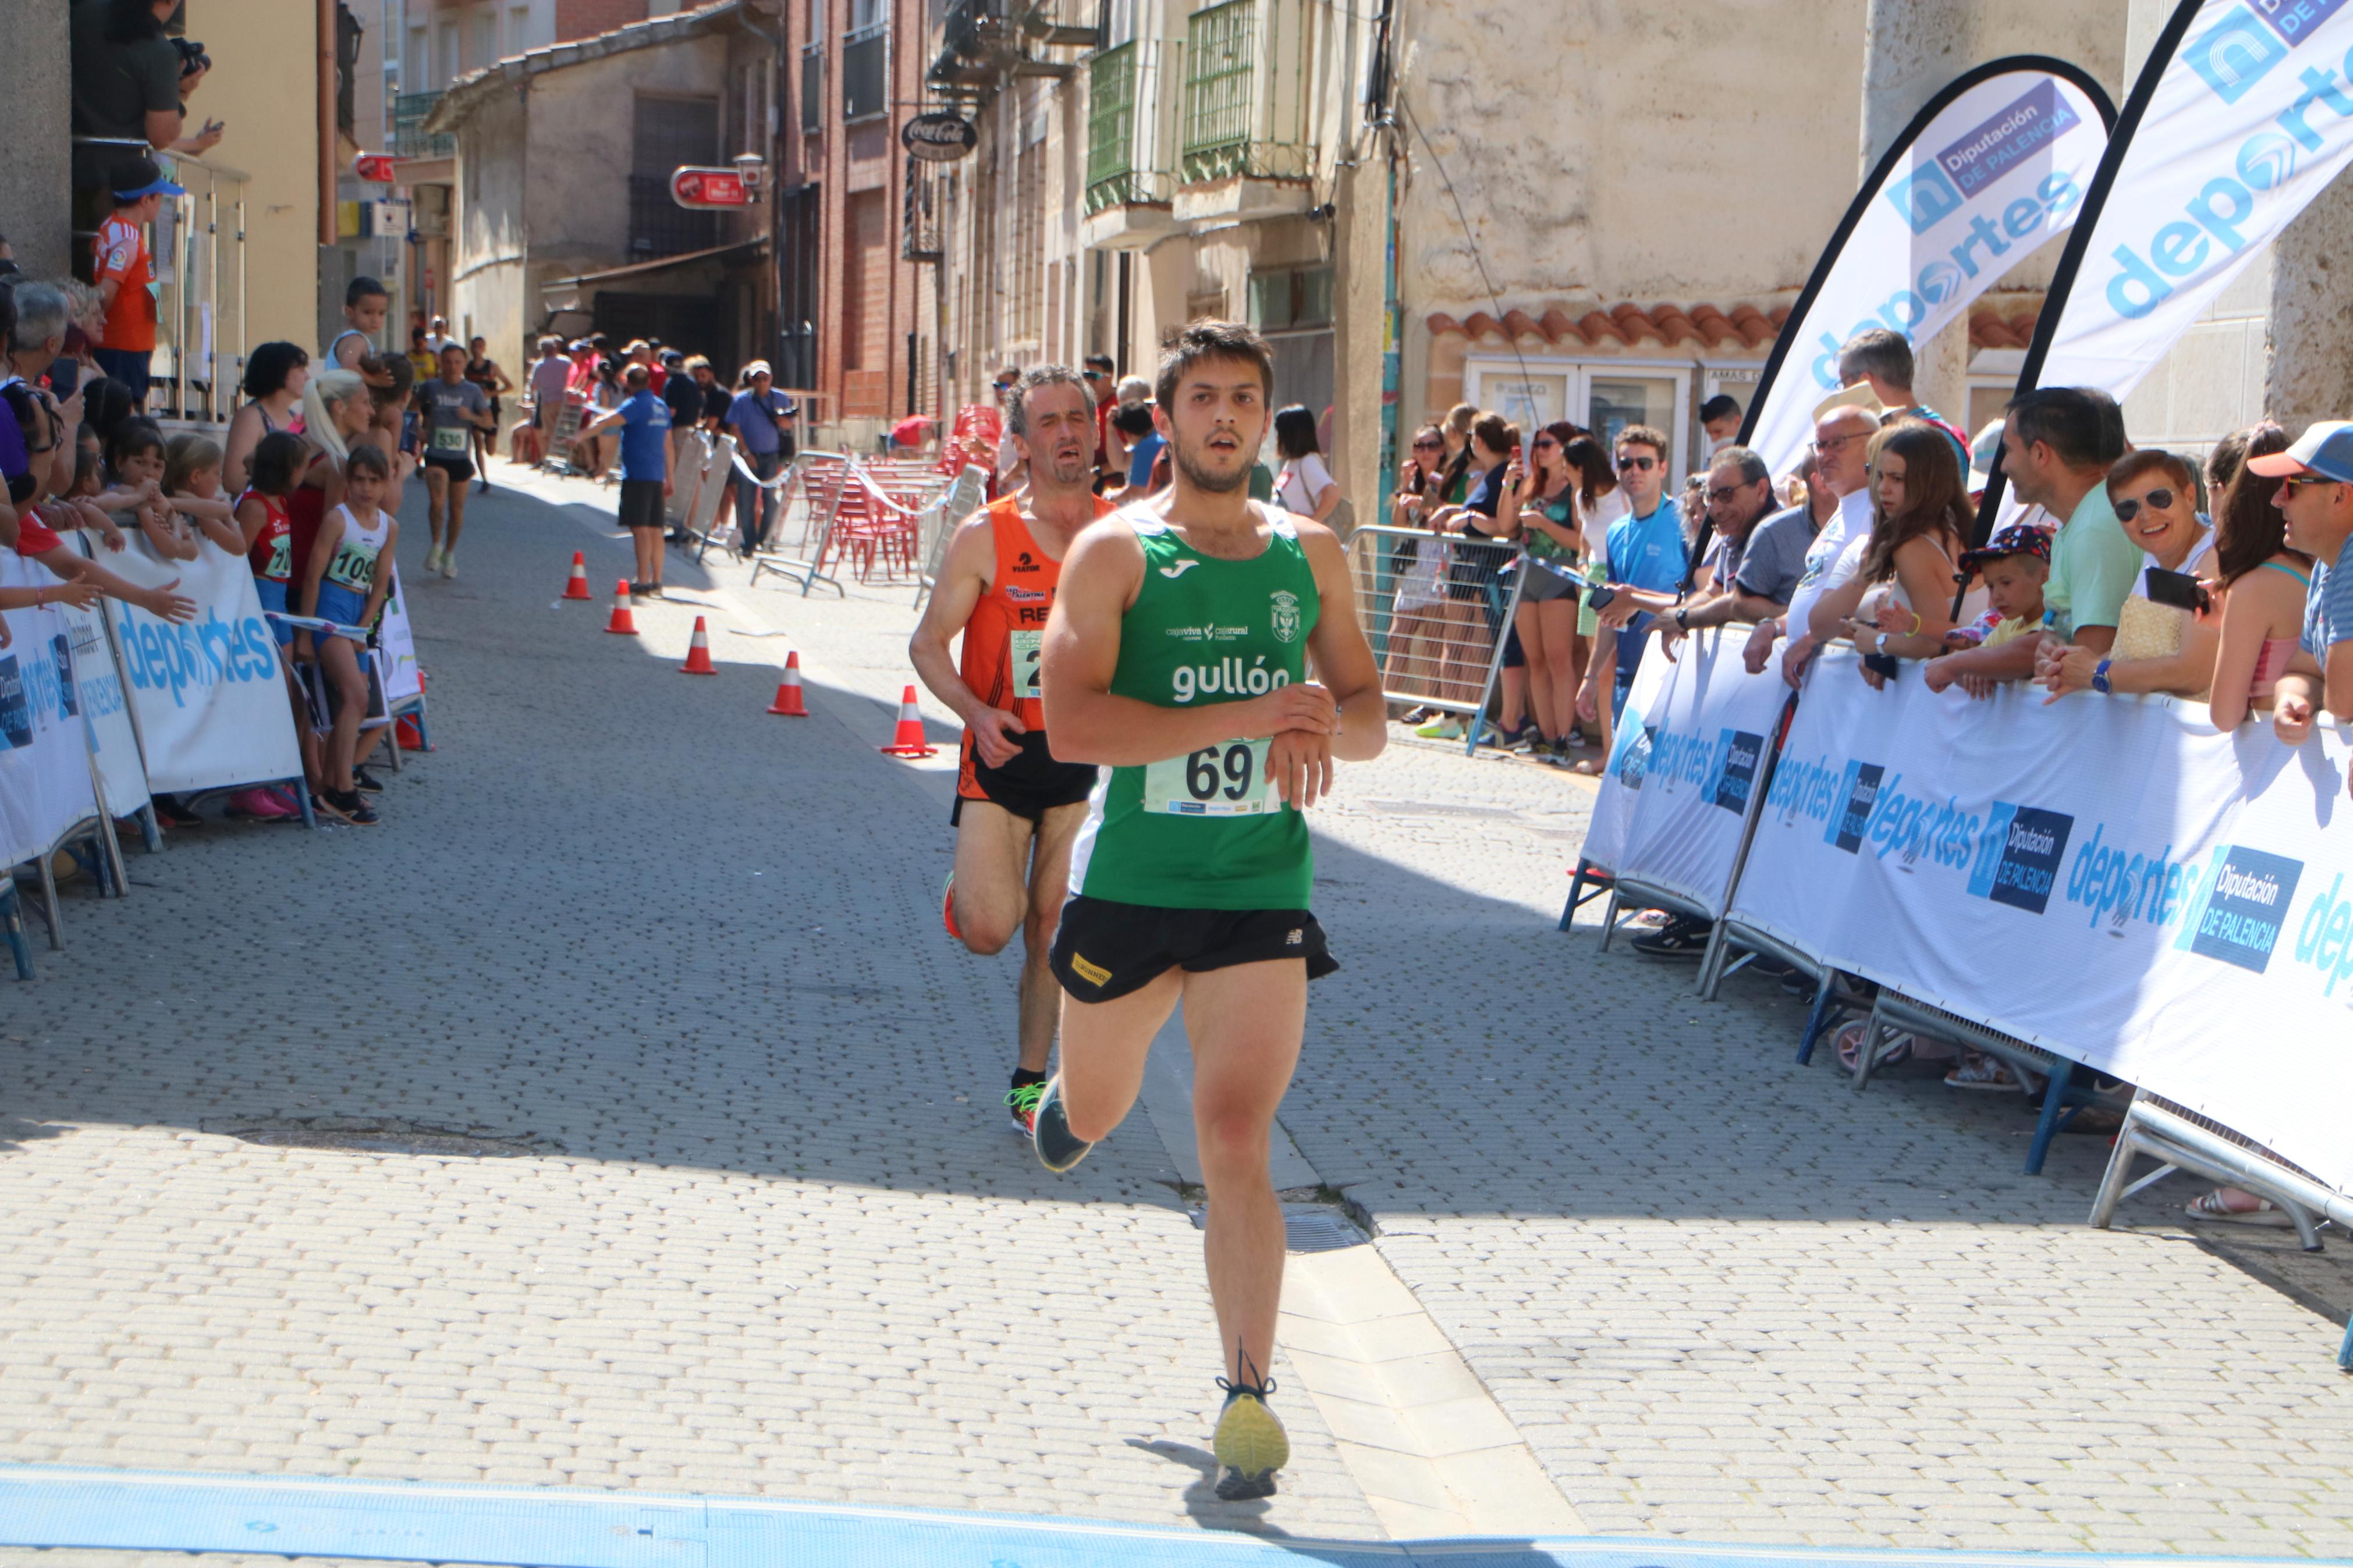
(1435, 607)
(939, 523)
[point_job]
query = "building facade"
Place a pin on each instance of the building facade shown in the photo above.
(561, 218)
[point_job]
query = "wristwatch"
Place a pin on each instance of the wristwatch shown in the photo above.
(1681, 625)
(2100, 677)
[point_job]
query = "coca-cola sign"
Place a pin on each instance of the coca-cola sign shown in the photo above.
(938, 137)
(704, 188)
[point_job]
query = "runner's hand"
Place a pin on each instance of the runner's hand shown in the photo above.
(1299, 764)
(1306, 705)
(992, 736)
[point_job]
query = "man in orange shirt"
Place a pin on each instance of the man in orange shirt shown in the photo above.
(1018, 810)
(127, 346)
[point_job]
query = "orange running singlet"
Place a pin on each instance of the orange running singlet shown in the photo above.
(1003, 647)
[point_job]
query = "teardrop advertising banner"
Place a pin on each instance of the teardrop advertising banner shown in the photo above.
(1990, 168)
(2241, 116)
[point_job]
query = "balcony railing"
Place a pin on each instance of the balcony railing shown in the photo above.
(1110, 128)
(812, 89)
(865, 72)
(1246, 65)
(409, 113)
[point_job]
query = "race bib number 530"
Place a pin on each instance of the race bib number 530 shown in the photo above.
(1217, 781)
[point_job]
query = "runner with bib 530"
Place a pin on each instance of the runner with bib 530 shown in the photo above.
(1177, 659)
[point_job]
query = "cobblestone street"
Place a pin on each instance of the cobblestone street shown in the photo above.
(694, 1176)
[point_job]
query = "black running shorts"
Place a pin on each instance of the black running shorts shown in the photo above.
(641, 503)
(1104, 950)
(459, 469)
(1029, 784)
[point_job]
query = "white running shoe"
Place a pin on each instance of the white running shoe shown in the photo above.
(433, 559)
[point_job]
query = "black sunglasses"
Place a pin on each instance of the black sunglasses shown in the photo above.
(1645, 464)
(2128, 510)
(2289, 487)
(1418, 446)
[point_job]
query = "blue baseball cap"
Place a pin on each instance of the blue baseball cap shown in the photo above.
(2324, 448)
(134, 178)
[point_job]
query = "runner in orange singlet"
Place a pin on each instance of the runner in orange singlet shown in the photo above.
(1017, 808)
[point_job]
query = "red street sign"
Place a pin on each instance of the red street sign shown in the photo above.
(376, 168)
(692, 188)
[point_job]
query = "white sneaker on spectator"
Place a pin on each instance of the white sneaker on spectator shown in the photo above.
(450, 565)
(1448, 727)
(433, 559)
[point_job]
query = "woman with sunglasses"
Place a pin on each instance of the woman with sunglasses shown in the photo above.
(2264, 582)
(1540, 510)
(1418, 619)
(2158, 647)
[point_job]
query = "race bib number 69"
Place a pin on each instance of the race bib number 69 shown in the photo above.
(1217, 781)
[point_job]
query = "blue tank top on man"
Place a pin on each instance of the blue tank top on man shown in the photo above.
(645, 437)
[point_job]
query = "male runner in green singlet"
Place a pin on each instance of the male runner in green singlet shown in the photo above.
(1177, 658)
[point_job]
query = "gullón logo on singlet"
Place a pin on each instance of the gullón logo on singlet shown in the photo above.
(1286, 614)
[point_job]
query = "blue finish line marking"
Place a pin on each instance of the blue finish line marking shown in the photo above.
(557, 1528)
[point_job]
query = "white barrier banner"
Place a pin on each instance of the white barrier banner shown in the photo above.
(1630, 753)
(45, 777)
(1993, 167)
(2108, 878)
(1709, 734)
(2250, 117)
(106, 711)
(397, 646)
(207, 696)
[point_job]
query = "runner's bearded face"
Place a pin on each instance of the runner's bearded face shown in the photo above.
(1059, 436)
(1220, 422)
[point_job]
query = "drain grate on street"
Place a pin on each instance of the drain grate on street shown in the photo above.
(1306, 1228)
(379, 1135)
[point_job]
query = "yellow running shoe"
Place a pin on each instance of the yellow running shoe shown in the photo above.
(1251, 1443)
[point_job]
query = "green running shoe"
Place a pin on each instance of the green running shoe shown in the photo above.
(1251, 1443)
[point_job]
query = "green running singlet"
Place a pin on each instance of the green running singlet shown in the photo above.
(1205, 831)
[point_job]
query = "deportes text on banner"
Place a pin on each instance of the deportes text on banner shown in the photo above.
(1710, 734)
(2245, 120)
(207, 696)
(1630, 751)
(2108, 878)
(1993, 167)
(45, 774)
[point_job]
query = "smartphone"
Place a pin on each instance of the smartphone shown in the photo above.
(2179, 589)
(1883, 664)
(1598, 598)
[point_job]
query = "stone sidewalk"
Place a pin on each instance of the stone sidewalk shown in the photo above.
(759, 1231)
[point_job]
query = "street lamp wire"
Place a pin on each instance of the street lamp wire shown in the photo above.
(1469, 238)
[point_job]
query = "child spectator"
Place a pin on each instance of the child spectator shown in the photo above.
(365, 304)
(191, 482)
(264, 532)
(127, 345)
(2263, 583)
(2158, 647)
(2013, 566)
(350, 572)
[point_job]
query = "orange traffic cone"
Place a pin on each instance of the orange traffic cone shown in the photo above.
(576, 586)
(698, 652)
(622, 621)
(908, 741)
(789, 690)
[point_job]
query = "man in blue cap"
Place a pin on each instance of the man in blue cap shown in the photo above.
(125, 277)
(2318, 501)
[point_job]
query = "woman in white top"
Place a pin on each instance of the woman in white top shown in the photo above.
(2158, 647)
(1417, 629)
(1305, 486)
(1899, 599)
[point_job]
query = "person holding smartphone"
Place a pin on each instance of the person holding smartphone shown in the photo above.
(2167, 633)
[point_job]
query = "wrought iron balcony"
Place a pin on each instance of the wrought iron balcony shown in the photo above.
(1246, 98)
(409, 113)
